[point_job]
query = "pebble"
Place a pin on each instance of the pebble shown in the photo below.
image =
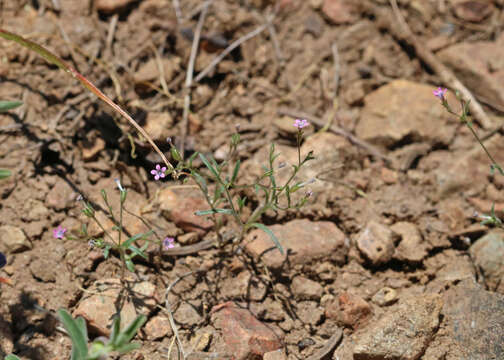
(13, 239)
(244, 336)
(376, 243)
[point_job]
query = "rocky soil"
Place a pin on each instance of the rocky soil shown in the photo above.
(387, 260)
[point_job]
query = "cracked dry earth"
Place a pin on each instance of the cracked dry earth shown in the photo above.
(386, 260)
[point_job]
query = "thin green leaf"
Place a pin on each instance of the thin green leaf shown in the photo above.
(131, 330)
(209, 166)
(214, 211)
(201, 181)
(74, 329)
(134, 238)
(11, 357)
(235, 171)
(9, 105)
(271, 235)
(4, 173)
(130, 265)
(116, 330)
(137, 251)
(127, 348)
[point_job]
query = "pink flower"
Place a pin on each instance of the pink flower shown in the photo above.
(59, 232)
(158, 172)
(440, 93)
(168, 243)
(301, 123)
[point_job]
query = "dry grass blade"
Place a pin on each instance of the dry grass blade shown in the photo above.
(53, 59)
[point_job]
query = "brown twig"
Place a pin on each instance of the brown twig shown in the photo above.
(337, 130)
(111, 33)
(447, 76)
(190, 73)
(227, 50)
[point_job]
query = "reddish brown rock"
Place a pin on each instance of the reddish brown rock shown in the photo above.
(245, 337)
(303, 240)
(350, 310)
(180, 204)
(111, 6)
(158, 327)
(339, 11)
(474, 11)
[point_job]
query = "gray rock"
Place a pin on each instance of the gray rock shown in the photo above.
(474, 320)
(488, 255)
(403, 334)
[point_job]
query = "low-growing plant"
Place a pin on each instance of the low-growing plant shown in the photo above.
(119, 341)
(226, 196)
(440, 93)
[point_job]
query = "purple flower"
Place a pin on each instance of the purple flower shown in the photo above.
(59, 232)
(168, 243)
(158, 172)
(300, 123)
(440, 93)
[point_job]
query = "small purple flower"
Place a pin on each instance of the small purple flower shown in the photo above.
(158, 172)
(301, 123)
(440, 93)
(168, 243)
(309, 194)
(59, 232)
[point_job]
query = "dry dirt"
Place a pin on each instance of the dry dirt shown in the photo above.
(400, 216)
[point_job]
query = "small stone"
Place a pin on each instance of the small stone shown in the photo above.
(158, 125)
(350, 310)
(474, 11)
(309, 312)
(275, 355)
(179, 205)
(202, 341)
(385, 296)
(339, 11)
(403, 334)
(412, 247)
(186, 314)
(149, 73)
(188, 239)
(13, 239)
(389, 176)
(92, 147)
(158, 327)
(111, 6)
(61, 196)
(99, 306)
(244, 285)
(43, 270)
(376, 243)
(296, 238)
(488, 255)
(245, 337)
(306, 289)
